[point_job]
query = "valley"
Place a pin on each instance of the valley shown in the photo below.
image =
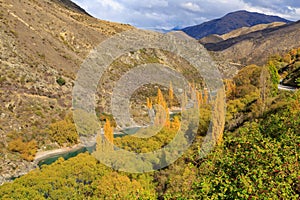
(242, 136)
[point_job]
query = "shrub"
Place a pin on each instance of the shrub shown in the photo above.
(60, 81)
(26, 149)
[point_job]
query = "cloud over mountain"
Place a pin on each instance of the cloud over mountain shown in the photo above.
(170, 13)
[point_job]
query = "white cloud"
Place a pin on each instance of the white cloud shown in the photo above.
(174, 13)
(111, 4)
(191, 7)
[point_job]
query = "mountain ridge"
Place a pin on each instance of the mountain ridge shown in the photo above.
(72, 6)
(230, 22)
(256, 47)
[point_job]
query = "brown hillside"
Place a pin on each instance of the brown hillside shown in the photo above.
(40, 42)
(258, 46)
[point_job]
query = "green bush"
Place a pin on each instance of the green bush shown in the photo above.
(60, 81)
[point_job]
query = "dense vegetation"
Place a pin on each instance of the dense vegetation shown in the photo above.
(289, 66)
(258, 157)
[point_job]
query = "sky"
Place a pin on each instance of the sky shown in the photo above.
(167, 14)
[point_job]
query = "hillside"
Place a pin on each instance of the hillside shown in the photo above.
(238, 32)
(289, 67)
(258, 46)
(42, 45)
(230, 22)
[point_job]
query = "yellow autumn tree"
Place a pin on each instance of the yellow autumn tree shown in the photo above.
(109, 131)
(218, 117)
(149, 104)
(199, 98)
(171, 95)
(230, 88)
(176, 123)
(167, 122)
(162, 111)
(160, 100)
(206, 96)
(27, 150)
(184, 101)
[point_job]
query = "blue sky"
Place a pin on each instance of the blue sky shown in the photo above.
(166, 14)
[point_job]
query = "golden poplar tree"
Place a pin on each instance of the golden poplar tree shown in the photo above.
(149, 104)
(109, 131)
(230, 88)
(162, 112)
(199, 98)
(160, 99)
(184, 101)
(167, 122)
(206, 96)
(218, 117)
(171, 94)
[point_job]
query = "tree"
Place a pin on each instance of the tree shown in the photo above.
(149, 104)
(109, 131)
(171, 95)
(199, 98)
(230, 88)
(160, 100)
(64, 132)
(184, 100)
(206, 96)
(162, 111)
(60, 81)
(117, 186)
(274, 76)
(263, 89)
(218, 117)
(26, 149)
(287, 58)
(298, 81)
(176, 123)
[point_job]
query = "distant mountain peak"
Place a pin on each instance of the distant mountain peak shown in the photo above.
(241, 12)
(230, 22)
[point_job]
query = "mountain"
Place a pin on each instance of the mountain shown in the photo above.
(246, 30)
(71, 6)
(256, 47)
(238, 32)
(230, 22)
(42, 45)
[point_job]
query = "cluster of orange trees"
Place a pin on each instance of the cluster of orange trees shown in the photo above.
(163, 107)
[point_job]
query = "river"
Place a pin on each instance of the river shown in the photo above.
(49, 157)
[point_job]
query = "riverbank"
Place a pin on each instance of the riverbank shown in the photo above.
(56, 152)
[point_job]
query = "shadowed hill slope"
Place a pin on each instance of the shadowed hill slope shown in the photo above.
(258, 46)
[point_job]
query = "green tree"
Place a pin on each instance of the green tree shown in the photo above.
(298, 81)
